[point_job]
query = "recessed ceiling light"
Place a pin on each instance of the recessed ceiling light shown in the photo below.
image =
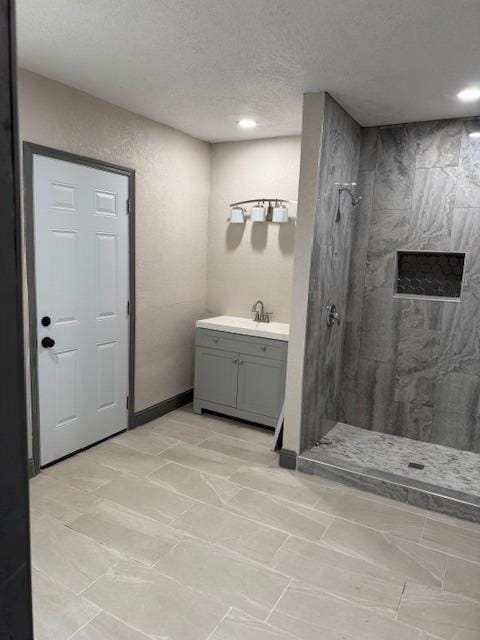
(469, 95)
(475, 135)
(247, 123)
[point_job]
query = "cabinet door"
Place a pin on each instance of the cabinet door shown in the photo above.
(261, 385)
(216, 375)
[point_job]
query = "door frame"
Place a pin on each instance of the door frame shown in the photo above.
(31, 149)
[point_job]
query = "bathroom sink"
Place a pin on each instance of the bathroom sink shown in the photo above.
(246, 326)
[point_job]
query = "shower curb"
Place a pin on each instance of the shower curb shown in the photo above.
(396, 487)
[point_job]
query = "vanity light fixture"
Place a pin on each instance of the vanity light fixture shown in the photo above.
(237, 215)
(263, 210)
(258, 213)
(280, 213)
(247, 123)
(470, 94)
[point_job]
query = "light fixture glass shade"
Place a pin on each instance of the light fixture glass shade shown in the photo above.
(280, 213)
(237, 215)
(257, 213)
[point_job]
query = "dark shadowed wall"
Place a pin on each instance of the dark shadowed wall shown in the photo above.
(15, 591)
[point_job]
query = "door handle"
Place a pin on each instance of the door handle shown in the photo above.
(45, 321)
(47, 342)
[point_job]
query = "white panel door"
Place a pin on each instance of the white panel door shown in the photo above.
(81, 272)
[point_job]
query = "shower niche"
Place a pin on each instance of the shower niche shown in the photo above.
(429, 274)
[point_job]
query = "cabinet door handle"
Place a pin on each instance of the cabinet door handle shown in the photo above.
(240, 362)
(215, 340)
(264, 348)
(235, 360)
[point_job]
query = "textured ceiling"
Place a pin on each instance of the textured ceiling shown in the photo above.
(200, 65)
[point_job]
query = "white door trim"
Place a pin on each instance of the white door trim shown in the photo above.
(29, 151)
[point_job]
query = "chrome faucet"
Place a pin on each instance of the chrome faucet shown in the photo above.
(262, 315)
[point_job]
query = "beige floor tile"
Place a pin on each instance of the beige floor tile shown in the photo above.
(57, 612)
(144, 440)
(462, 577)
(228, 577)
(454, 540)
(384, 518)
(454, 522)
(105, 627)
(312, 614)
(177, 430)
(57, 500)
(195, 484)
(127, 532)
(280, 483)
(237, 625)
(442, 614)
(400, 557)
(202, 459)
(242, 450)
(145, 497)
(81, 472)
(244, 536)
(283, 515)
(336, 573)
(68, 557)
(155, 604)
(124, 459)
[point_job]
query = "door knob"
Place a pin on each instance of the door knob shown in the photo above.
(47, 342)
(46, 321)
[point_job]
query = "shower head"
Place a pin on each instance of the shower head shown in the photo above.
(348, 187)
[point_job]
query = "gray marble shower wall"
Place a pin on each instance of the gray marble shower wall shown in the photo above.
(411, 367)
(329, 274)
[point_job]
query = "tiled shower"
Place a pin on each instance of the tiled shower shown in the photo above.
(403, 269)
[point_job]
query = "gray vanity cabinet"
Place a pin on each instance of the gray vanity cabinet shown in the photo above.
(241, 376)
(216, 375)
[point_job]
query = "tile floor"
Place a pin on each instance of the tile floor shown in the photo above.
(186, 529)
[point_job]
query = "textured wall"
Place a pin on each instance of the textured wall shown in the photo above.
(412, 367)
(329, 272)
(251, 261)
(172, 190)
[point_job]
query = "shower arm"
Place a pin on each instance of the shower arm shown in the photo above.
(348, 188)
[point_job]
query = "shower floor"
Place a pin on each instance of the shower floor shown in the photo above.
(449, 481)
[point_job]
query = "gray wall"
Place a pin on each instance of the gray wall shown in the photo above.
(412, 367)
(329, 273)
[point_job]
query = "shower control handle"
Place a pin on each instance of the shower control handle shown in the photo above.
(332, 315)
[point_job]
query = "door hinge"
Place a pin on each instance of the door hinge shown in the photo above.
(128, 205)
(128, 308)
(127, 402)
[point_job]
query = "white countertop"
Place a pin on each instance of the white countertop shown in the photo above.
(247, 327)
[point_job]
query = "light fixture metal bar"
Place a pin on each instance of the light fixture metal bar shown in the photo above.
(269, 200)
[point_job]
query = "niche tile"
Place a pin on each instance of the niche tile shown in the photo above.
(425, 274)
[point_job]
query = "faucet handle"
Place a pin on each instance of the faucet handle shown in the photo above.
(268, 315)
